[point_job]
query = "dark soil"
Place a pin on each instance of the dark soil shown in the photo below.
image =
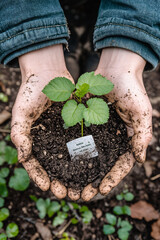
(49, 147)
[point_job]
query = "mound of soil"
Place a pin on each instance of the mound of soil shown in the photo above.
(49, 147)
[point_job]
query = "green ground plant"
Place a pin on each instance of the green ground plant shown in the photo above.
(17, 180)
(75, 111)
(117, 224)
(59, 211)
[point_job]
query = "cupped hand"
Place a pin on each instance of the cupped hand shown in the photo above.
(124, 68)
(37, 69)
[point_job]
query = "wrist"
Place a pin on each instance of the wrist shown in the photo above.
(121, 61)
(48, 59)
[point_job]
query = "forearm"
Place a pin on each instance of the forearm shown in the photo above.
(131, 25)
(30, 25)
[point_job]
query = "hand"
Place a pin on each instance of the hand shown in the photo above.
(124, 68)
(37, 69)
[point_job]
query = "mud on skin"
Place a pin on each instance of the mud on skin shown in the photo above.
(49, 147)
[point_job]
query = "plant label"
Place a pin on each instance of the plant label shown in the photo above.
(82, 146)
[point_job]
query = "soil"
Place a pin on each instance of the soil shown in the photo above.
(49, 147)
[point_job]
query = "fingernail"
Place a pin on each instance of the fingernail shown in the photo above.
(140, 156)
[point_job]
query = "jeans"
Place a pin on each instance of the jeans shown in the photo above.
(29, 25)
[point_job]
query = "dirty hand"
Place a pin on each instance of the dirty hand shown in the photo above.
(37, 69)
(124, 68)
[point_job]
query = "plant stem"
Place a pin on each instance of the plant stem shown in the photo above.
(82, 127)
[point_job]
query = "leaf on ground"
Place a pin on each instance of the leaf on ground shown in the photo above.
(44, 231)
(156, 230)
(142, 209)
(20, 181)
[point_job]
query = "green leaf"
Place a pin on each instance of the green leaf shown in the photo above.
(83, 208)
(3, 236)
(12, 230)
(1, 202)
(87, 216)
(65, 208)
(82, 90)
(97, 111)
(4, 172)
(98, 84)
(119, 197)
(53, 208)
(118, 210)
(11, 155)
(1, 225)
(2, 147)
(41, 206)
(126, 210)
(58, 220)
(72, 113)
(20, 181)
(2, 152)
(128, 196)
(75, 205)
(3, 97)
(48, 202)
(123, 234)
(4, 213)
(63, 203)
(62, 215)
(74, 220)
(108, 229)
(3, 188)
(111, 219)
(126, 225)
(33, 198)
(119, 222)
(8, 138)
(2, 160)
(59, 89)
(87, 124)
(65, 234)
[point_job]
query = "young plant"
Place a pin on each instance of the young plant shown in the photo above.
(116, 223)
(126, 195)
(61, 211)
(123, 227)
(74, 111)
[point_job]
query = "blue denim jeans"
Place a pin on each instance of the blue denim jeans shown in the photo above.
(29, 25)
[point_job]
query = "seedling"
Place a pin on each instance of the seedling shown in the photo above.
(59, 211)
(115, 222)
(123, 227)
(126, 195)
(75, 111)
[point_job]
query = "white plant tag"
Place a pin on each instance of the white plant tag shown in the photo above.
(83, 145)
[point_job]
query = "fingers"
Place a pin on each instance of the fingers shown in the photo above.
(142, 125)
(37, 173)
(58, 189)
(88, 193)
(117, 173)
(73, 194)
